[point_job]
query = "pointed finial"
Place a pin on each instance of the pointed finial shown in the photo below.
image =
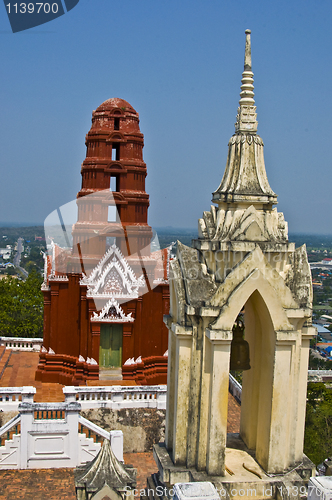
(247, 53)
(246, 117)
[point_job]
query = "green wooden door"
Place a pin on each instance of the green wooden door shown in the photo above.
(110, 351)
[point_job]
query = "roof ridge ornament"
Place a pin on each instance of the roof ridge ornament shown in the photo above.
(246, 113)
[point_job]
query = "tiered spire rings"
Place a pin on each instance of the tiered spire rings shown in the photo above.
(246, 117)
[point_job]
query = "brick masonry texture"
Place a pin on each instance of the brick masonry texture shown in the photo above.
(59, 484)
(40, 484)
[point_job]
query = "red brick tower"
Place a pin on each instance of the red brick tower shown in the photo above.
(114, 173)
(104, 303)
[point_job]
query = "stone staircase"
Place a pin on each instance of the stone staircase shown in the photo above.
(88, 448)
(10, 452)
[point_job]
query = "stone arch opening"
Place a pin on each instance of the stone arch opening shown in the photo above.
(258, 381)
(263, 386)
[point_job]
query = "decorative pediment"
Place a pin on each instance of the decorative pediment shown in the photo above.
(113, 276)
(247, 224)
(244, 272)
(112, 312)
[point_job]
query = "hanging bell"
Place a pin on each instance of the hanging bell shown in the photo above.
(240, 359)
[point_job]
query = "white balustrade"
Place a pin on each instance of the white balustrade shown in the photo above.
(21, 344)
(118, 397)
(11, 397)
(114, 397)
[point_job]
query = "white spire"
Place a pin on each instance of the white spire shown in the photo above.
(245, 181)
(246, 113)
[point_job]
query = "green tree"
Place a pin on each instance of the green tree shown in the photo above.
(21, 306)
(318, 429)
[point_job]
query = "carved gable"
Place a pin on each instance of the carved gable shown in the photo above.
(112, 312)
(113, 277)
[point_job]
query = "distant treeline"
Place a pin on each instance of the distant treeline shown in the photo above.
(9, 235)
(313, 241)
(165, 235)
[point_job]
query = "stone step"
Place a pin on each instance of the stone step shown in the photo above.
(110, 374)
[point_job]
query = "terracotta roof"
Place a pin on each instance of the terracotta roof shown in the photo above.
(59, 484)
(116, 102)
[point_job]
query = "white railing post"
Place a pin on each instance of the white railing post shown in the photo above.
(72, 412)
(117, 399)
(28, 393)
(161, 397)
(116, 439)
(70, 392)
(26, 410)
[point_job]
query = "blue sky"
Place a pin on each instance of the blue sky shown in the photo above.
(179, 64)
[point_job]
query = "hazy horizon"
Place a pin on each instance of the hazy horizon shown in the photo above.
(157, 228)
(179, 64)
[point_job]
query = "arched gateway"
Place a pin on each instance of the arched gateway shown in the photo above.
(241, 259)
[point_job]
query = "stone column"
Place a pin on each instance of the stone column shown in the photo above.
(95, 340)
(272, 450)
(53, 341)
(183, 341)
(299, 421)
(170, 388)
(84, 323)
(47, 318)
(220, 347)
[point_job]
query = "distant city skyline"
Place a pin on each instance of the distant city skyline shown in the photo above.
(179, 65)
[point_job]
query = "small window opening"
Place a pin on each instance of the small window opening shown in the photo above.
(116, 152)
(113, 183)
(116, 123)
(112, 213)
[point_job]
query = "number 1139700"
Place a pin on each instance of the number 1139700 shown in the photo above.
(32, 8)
